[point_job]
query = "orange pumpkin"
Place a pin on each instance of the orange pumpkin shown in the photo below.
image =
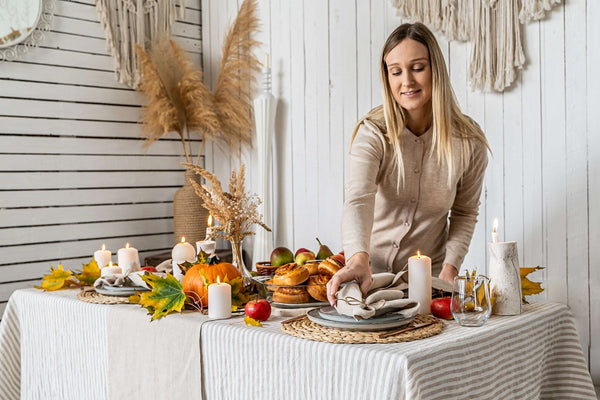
(198, 277)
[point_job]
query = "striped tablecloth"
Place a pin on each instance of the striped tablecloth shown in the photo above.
(53, 346)
(535, 355)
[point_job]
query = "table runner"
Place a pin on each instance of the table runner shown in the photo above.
(535, 355)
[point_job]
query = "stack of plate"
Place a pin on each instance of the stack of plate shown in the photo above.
(328, 316)
(119, 290)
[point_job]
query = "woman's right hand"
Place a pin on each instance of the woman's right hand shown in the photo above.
(357, 268)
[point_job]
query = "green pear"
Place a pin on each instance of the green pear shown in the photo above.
(323, 252)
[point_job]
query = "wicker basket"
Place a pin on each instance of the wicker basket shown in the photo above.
(190, 218)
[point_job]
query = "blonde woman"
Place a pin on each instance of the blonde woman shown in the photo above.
(416, 169)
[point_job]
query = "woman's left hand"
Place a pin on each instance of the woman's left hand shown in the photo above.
(448, 272)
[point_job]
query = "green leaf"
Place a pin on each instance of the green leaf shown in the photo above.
(89, 274)
(166, 296)
(56, 279)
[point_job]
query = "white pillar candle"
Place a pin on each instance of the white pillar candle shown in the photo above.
(102, 257)
(419, 281)
(209, 223)
(128, 259)
(207, 246)
(110, 270)
(495, 231)
(219, 300)
(182, 252)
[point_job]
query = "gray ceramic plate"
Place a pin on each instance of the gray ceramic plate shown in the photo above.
(123, 291)
(315, 317)
(331, 314)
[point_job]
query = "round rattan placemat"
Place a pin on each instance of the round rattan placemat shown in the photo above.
(91, 296)
(304, 328)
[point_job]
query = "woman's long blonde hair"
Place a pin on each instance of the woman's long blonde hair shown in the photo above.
(448, 120)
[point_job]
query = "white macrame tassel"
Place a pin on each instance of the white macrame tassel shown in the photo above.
(491, 25)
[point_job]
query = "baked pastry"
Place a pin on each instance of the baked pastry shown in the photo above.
(330, 266)
(316, 286)
(269, 285)
(293, 295)
(290, 274)
(312, 267)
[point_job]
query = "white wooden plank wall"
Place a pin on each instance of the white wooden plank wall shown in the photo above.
(73, 172)
(542, 182)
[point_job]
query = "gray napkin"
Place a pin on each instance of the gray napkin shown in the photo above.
(385, 296)
(117, 280)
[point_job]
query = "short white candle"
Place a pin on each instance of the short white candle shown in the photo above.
(182, 252)
(219, 300)
(419, 281)
(495, 231)
(128, 259)
(102, 257)
(207, 246)
(110, 270)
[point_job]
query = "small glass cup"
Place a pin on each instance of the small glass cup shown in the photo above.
(470, 303)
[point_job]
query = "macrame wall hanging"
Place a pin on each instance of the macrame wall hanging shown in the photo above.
(127, 22)
(493, 26)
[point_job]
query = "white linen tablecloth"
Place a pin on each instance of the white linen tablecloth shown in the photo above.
(54, 346)
(535, 355)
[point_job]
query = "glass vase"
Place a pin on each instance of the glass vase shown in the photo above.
(238, 259)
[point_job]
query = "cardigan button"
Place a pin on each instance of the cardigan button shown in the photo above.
(395, 245)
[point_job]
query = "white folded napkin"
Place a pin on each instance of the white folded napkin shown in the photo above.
(385, 296)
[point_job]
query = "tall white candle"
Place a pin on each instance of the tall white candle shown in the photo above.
(209, 223)
(110, 269)
(102, 257)
(207, 246)
(128, 259)
(495, 231)
(419, 281)
(219, 300)
(182, 252)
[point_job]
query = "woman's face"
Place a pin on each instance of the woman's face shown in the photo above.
(409, 74)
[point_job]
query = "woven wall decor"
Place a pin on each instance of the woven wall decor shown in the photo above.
(127, 22)
(493, 26)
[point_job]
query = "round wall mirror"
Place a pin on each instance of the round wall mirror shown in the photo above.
(22, 26)
(18, 20)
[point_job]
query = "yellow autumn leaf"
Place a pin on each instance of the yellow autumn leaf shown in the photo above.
(89, 274)
(56, 279)
(252, 321)
(134, 298)
(528, 287)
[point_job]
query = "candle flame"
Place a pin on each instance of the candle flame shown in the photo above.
(183, 239)
(418, 254)
(210, 221)
(127, 246)
(495, 225)
(218, 279)
(103, 246)
(110, 263)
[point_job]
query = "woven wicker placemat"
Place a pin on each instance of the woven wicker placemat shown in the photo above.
(91, 296)
(304, 328)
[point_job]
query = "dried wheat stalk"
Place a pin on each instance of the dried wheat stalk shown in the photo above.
(236, 210)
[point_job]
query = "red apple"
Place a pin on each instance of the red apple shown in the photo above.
(259, 310)
(301, 250)
(340, 257)
(440, 307)
(304, 257)
(149, 269)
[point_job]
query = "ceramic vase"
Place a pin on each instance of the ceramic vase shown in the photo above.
(505, 278)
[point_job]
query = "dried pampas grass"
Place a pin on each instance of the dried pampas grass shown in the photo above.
(178, 99)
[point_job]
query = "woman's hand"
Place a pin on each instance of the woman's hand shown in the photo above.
(448, 272)
(357, 268)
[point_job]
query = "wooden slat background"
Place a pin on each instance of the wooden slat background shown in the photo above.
(73, 171)
(542, 182)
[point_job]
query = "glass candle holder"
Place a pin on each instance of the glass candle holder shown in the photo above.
(470, 303)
